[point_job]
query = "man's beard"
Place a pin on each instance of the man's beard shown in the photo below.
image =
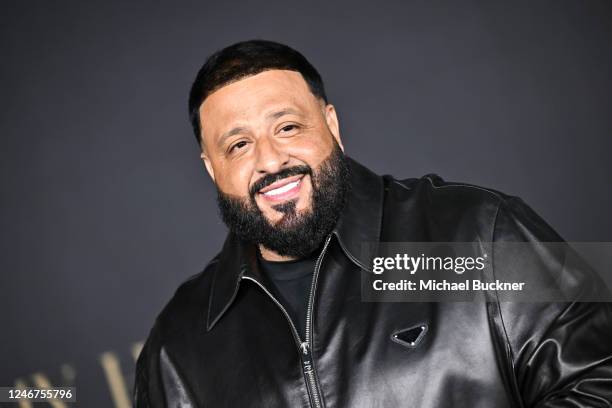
(297, 234)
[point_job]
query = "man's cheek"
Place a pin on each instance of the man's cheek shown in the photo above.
(305, 200)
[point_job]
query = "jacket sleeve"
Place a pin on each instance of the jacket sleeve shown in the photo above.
(147, 383)
(157, 381)
(559, 352)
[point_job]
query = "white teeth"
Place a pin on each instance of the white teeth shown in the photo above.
(282, 189)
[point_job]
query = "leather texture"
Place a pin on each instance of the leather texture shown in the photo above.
(222, 341)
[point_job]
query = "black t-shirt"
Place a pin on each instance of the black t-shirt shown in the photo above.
(290, 282)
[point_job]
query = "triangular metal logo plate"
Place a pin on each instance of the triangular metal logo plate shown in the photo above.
(410, 337)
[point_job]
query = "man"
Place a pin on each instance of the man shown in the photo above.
(276, 319)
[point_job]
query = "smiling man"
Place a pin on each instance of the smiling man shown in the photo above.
(276, 319)
(279, 169)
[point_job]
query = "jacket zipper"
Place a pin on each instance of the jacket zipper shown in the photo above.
(306, 345)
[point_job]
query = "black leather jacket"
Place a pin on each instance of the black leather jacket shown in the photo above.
(224, 341)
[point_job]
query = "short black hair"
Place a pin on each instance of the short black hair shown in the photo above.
(244, 59)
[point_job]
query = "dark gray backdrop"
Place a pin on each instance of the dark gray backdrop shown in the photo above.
(106, 208)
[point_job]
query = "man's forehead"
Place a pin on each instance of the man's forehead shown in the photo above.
(262, 87)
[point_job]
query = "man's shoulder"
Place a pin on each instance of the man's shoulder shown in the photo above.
(432, 185)
(436, 195)
(464, 204)
(444, 209)
(173, 329)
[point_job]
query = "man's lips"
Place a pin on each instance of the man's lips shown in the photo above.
(282, 189)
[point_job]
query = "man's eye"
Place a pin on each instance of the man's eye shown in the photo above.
(288, 128)
(238, 145)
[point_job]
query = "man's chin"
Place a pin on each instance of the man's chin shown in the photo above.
(285, 214)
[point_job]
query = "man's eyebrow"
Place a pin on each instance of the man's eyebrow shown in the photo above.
(230, 133)
(282, 112)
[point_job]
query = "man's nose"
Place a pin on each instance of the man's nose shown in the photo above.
(270, 157)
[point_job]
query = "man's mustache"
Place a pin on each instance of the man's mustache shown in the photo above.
(272, 178)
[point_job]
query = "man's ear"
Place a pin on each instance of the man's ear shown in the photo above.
(332, 123)
(208, 166)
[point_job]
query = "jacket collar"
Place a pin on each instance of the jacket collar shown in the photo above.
(359, 223)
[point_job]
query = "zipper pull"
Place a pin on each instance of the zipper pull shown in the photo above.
(304, 347)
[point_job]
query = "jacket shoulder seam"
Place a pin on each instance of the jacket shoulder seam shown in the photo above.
(510, 353)
(501, 316)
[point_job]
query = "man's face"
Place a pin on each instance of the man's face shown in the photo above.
(273, 151)
(261, 125)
